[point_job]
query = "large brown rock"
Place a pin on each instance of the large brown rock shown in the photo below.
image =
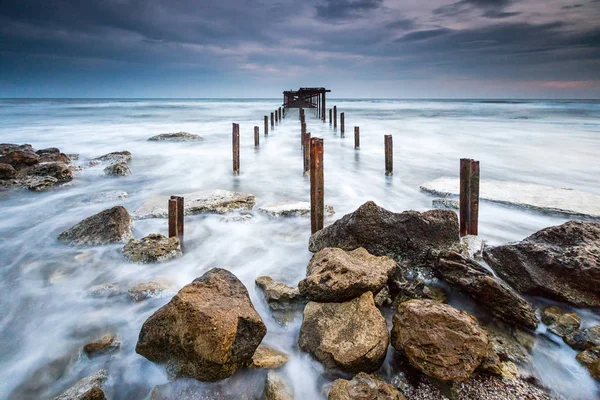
(439, 340)
(207, 331)
(20, 159)
(7, 171)
(350, 336)
(561, 262)
(408, 236)
(337, 275)
(109, 226)
(362, 387)
(590, 358)
(499, 298)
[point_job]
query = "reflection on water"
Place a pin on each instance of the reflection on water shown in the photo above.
(48, 314)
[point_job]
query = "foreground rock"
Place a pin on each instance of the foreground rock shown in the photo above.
(88, 388)
(561, 262)
(295, 209)
(152, 249)
(349, 336)
(337, 275)
(176, 137)
(207, 331)
(499, 298)
(362, 387)
(276, 388)
(119, 168)
(583, 339)
(107, 344)
(109, 226)
(209, 201)
(408, 235)
(590, 359)
(439, 340)
(560, 322)
(266, 357)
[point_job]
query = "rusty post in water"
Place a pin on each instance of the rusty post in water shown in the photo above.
(389, 155)
(180, 214)
(272, 120)
(276, 116)
(306, 152)
(474, 199)
(330, 115)
(266, 126)
(302, 133)
(342, 124)
(469, 197)
(317, 185)
(256, 137)
(172, 217)
(356, 137)
(334, 117)
(323, 107)
(279, 111)
(235, 139)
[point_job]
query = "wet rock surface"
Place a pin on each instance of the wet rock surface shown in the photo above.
(560, 262)
(107, 344)
(119, 168)
(293, 209)
(590, 358)
(350, 336)
(583, 339)
(276, 388)
(363, 386)
(559, 321)
(279, 295)
(147, 290)
(153, 248)
(335, 275)
(88, 388)
(207, 331)
(269, 358)
(176, 137)
(109, 226)
(115, 156)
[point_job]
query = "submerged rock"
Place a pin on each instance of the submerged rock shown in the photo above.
(266, 357)
(337, 275)
(499, 298)
(350, 336)
(107, 344)
(560, 262)
(152, 249)
(209, 201)
(408, 235)
(590, 359)
(118, 169)
(88, 388)
(207, 331)
(176, 137)
(362, 387)
(416, 288)
(295, 209)
(445, 203)
(153, 289)
(439, 340)
(124, 156)
(109, 226)
(276, 388)
(583, 339)
(559, 321)
(279, 295)
(503, 343)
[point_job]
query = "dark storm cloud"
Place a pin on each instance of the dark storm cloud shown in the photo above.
(495, 14)
(336, 9)
(422, 35)
(490, 8)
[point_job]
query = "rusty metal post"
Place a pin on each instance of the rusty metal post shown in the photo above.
(473, 198)
(356, 137)
(330, 114)
(276, 116)
(463, 202)
(323, 108)
(389, 155)
(256, 137)
(335, 116)
(279, 111)
(236, 149)
(302, 133)
(172, 217)
(317, 185)
(180, 214)
(272, 120)
(266, 126)
(306, 152)
(342, 124)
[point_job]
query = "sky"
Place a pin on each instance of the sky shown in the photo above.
(258, 48)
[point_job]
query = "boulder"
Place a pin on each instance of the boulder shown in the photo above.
(278, 295)
(590, 359)
(561, 262)
(119, 168)
(109, 226)
(88, 388)
(107, 344)
(152, 249)
(439, 340)
(146, 290)
(54, 157)
(266, 357)
(207, 331)
(350, 336)
(20, 159)
(209, 201)
(294, 209)
(176, 137)
(559, 321)
(114, 156)
(58, 170)
(335, 275)
(499, 298)
(7, 171)
(276, 388)
(409, 236)
(583, 339)
(362, 387)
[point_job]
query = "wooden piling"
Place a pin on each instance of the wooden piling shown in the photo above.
(180, 215)
(323, 108)
(236, 149)
(256, 137)
(356, 137)
(306, 152)
(342, 124)
(276, 116)
(272, 120)
(330, 115)
(279, 111)
(335, 116)
(469, 197)
(317, 185)
(389, 155)
(474, 199)
(266, 126)
(302, 133)
(172, 217)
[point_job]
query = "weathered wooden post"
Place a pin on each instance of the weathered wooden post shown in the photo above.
(256, 137)
(389, 155)
(317, 187)
(306, 152)
(236, 149)
(474, 199)
(356, 137)
(323, 107)
(272, 120)
(276, 116)
(335, 116)
(279, 111)
(342, 124)
(469, 197)
(172, 217)
(180, 214)
(302, 133)
(266, 126)
(330, 113)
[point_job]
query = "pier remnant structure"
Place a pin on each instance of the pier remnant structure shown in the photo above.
(307, 98)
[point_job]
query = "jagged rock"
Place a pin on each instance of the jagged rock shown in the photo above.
(337, 275)
(350, 336)
(124, 156)
(276, 388)
(383, 297)
(207, 331)
(279, 295)
(590, 358)
(7, 171)
(86, 389)
(152, 249)
(107, 344)
(559, 321)
(409, 235)
(58, 170)
(209, 201)
(39, 184)
(495, 295)
(6, 148)
(363, 386)
(118, 169)
(416, 289)
(583, 339)
(109, 226)
(560, 262)
(145, 290)
(295, 209)
(176, 137)
(439, 340)
(266, 357)
(20, 159)
(53, 156)
(505, 345)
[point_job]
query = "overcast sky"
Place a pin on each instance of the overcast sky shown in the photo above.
(258, 48)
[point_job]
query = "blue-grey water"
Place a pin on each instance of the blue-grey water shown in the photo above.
(47, 313)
